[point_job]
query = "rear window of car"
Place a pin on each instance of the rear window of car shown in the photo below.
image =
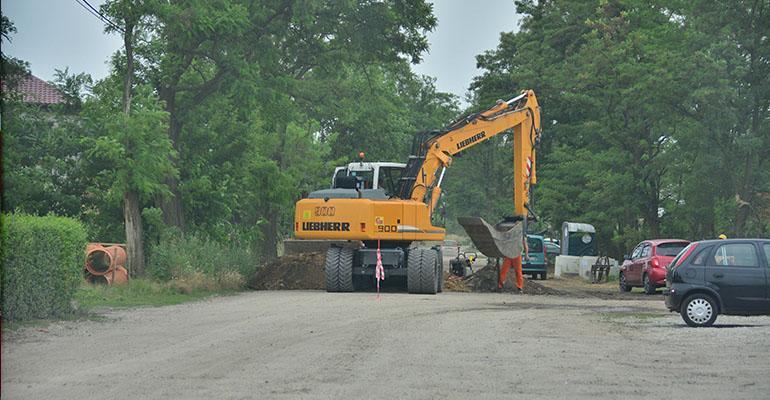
(670, 249)
(678, 259)
(535, 245)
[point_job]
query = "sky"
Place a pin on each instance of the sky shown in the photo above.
(465, 29)
(54, 34)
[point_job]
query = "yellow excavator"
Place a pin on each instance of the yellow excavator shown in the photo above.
(394, 214)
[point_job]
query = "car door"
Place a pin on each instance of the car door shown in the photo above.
(735, 272)
(641, 262)
(629, 263)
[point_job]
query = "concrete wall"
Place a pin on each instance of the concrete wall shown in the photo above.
(580, 266)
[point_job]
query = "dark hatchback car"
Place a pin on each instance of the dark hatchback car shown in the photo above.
(713, 277)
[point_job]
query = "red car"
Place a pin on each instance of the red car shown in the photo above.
(646, 267)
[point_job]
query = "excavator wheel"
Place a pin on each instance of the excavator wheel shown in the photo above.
(339, 269)
(421, 269)
(440, 269)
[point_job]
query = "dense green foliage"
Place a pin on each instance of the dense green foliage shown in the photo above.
(42, 260)
(182, 256)
(655, 120)
(237, 108)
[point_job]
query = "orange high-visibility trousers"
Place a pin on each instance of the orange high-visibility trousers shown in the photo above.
(507, 264)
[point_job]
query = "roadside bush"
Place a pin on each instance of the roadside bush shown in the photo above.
(42, 265)
(191, 262)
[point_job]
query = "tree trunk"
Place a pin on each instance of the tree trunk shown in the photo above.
(172, 205)
(132, 216)
(270, 233)
(133, 221)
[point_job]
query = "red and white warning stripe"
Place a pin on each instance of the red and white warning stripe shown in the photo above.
(528, 171)
(379, 270)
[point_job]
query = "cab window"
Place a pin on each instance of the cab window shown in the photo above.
(735, 254)
(388, 179)
(637, 252)
(340, 172)
(367, 178)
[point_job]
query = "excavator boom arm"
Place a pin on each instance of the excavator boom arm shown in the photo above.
(520, 114)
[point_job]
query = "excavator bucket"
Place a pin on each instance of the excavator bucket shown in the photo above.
(503, 240)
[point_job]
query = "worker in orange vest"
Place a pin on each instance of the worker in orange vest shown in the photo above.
(516, 264)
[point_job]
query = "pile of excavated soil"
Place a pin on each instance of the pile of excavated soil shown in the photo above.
(291, 272)
(453, 283)
(485, 280)
(306, 271)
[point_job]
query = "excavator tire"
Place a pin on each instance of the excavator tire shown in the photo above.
(339, 269)
(421, 271)
(440, 269)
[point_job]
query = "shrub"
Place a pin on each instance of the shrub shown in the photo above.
(42, 259)
(195, 263)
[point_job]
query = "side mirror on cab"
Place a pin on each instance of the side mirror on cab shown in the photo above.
(626, 257)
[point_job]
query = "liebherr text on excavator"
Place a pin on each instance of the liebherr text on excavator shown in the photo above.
(389, 206)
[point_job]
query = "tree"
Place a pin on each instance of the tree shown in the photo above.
(11, 69)
(134, 144)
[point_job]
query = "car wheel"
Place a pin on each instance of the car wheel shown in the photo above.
(622, 284)
(649, 287)
(699, 310)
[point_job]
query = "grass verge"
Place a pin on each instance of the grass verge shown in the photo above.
(630, 317)
(140, 293)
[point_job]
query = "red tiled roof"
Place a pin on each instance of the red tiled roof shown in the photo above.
(37, 91)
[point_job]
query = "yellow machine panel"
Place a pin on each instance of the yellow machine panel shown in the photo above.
(364, 219)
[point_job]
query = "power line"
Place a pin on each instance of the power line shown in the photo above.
(96, 13)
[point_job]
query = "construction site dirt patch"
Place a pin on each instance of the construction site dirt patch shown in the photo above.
(485, 280)
(454, 283)
(291, 272)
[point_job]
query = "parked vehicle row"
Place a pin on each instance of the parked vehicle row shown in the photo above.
(703, 279)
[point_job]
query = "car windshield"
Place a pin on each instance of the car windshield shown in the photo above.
(671, 249)
(535, 245)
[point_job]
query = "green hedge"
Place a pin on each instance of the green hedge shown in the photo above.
(42, 259)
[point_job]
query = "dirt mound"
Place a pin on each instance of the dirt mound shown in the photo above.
(291, 272)
(454, 283)
(306, 271)
(485, 280)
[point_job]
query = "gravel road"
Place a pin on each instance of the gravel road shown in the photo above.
(311, 345)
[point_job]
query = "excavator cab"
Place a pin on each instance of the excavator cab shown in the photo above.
(369, 175)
